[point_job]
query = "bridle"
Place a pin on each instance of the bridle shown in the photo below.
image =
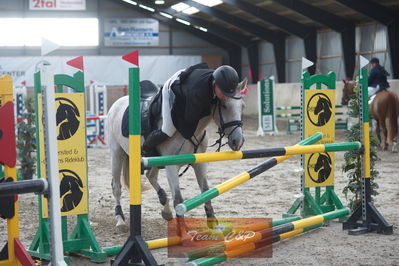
(223, 126)
(235, 123)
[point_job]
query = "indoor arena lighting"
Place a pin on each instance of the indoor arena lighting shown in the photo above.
(147, 8)
(203, 29)
(209, 3)
(130, 2)
(191, 10)
(166, 15)
(180, 6)
(183, 21)
(159, 2)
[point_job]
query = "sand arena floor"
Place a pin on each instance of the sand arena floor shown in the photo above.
(267, 195)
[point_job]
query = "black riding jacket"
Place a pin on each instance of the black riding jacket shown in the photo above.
(378, 76)
(194, 97)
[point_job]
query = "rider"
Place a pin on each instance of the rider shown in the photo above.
(187, 97)
(377, 77)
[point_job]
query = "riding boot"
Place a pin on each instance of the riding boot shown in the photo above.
(155, 138)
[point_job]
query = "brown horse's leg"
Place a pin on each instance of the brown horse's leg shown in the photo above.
(378, 131)
(385, 132)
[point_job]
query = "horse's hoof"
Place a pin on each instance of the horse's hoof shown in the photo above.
(121, 228)
(167, 215)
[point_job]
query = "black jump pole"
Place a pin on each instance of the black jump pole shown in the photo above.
(23, 187)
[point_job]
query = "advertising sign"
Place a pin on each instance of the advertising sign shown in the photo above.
(131, 32)
(49, 5)
(71, 141)
(320, 117)
(267, 118)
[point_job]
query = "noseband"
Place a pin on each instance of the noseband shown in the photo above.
(223, 126)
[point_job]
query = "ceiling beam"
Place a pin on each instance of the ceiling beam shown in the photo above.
(211, 38)
(385, 16)
(229, 35)
(252, 28)
(317, 14)
(281, 22)
(339, 24)
(371, 9)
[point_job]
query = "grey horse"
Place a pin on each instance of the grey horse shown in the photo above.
(224, 114)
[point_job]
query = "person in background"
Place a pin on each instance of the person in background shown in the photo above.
(377, 77)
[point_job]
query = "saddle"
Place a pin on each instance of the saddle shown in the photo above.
(150, 109)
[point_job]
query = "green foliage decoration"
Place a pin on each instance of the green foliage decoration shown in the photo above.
(26, 146)
(353, 159)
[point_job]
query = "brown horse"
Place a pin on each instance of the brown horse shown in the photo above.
(384, 109)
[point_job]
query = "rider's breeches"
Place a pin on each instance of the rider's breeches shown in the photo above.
(373, 90)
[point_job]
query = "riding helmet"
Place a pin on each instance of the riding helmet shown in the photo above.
(226, 79)
(374, 60)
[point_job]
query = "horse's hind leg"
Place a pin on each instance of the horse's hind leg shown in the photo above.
(200, 173)
(385, 132)
(117, 159)
(152, 176)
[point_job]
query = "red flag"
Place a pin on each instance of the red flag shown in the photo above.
(23, 83)
(132, 57)
(76, 62)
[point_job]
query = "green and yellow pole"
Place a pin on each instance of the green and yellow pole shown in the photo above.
(135, 249)
(366, 217)
(171, 241)
(265, 237)
(190, 204)
(249, 154)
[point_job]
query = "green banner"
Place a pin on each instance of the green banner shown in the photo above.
(266, 106)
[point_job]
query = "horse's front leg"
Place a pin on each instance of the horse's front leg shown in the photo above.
(173, 180)
(152, 176)
(200, 173)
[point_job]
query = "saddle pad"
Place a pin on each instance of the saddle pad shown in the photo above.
(150, 110)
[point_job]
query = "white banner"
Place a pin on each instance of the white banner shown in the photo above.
(131, 32)
(105, 70)
(57, 5)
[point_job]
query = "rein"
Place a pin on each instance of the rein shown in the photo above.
(223, 126)
(196, 146)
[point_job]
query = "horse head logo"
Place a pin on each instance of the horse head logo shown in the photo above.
(323, 109)
(322, 167)
(67, 118)
(71, 190)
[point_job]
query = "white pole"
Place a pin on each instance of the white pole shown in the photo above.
(51, 155)
(260, 127)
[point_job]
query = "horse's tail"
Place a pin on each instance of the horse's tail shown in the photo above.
(392, 117)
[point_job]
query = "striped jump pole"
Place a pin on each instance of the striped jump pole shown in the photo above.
(249, 154)
(265, 237)
(190, 204)
(171, 241)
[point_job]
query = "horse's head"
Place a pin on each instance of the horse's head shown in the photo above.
(322, 105)
(228, 116)
(322, 161)
(66, 111)
(347, 91)
(62, 112)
